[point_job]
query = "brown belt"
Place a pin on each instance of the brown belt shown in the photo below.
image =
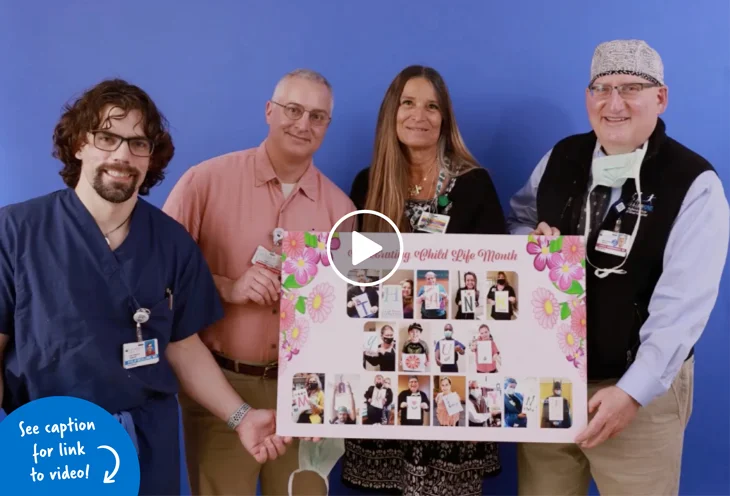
(270, 371)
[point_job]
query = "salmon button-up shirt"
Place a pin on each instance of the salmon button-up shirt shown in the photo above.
(230, 205)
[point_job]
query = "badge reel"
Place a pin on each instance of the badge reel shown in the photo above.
(142, 352)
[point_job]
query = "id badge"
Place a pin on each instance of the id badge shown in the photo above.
(613, 243)
(268, 259)
(433, 223)
(140, 353)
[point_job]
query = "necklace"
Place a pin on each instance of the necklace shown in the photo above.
(415, 189)
(106, 236)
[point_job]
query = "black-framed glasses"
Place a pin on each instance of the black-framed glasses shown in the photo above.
(628, 90)
(110, 142)
(295, 112)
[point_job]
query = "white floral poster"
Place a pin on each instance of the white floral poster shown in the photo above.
(429, 370)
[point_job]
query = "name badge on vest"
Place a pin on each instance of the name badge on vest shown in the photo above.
(267, 259)
(140, 353)
(613, 243)
(433, 223)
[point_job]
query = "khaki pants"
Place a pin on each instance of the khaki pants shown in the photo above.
(219, 465)
(644, 459)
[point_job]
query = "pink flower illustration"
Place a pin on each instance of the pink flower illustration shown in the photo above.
(545, 308)
(322, 248)
(290, 295)
(579, 320)
(293, 244)
(583, 369)
(288, 351)
(320, 302)
(298, 333)
(573, 250)
(574, 301)
(577, 358)
(286, 314)
(303, 267)
(567, 339)
(564, 273)
(541, 248)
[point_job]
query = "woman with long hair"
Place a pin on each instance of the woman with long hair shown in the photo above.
(421, 168)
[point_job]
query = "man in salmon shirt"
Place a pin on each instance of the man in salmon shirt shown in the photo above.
(231, 205)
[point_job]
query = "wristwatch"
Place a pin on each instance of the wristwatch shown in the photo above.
(238, 415)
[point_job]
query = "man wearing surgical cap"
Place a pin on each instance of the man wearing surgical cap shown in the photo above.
(627, 179)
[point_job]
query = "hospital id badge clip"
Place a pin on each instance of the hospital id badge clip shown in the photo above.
(142, 352)
(267, 259)
(613, 243)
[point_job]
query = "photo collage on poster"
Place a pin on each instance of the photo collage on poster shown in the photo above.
(431, 357)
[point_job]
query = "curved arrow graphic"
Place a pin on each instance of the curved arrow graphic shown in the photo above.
(109, 479)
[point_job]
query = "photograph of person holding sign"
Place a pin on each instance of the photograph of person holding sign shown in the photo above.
(413, 403)
(362, 301)
(415, 355)
(378, 398)
(432, 295)
(466, 301)
(447, 351)
(308, 401)
(380, 350)
(487, 358)
(502, 298)
(449, 409)
(342, 399)
(556, 407)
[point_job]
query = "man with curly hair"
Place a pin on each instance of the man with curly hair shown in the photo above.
(91, 274)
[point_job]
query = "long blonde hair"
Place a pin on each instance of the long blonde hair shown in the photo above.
(388, 177)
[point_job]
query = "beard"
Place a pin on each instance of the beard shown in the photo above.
(112, 190)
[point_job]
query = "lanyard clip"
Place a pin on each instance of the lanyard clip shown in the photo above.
(141, 316)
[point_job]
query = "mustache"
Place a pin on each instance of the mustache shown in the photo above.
(124, 169)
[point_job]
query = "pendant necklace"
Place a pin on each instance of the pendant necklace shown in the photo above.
(106, 236)
(415, 189)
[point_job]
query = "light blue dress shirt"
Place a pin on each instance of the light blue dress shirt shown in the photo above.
(687, 289)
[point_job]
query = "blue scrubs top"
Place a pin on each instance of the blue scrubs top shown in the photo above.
(67, 300)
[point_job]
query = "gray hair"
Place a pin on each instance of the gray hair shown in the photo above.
(309, 75)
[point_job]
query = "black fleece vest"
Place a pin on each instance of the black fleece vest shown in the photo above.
(617, 305)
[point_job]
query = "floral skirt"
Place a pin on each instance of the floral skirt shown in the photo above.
(418, 468)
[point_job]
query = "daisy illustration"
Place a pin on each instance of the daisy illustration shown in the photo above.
(568, 340)
(579, 320)
(320, 302)
(286, 314)
(298, 333)
(293, 244)
(573, 250)
(545, 307)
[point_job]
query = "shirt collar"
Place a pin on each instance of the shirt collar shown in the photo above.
(308, 183)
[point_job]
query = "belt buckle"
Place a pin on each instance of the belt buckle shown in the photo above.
(272, 366)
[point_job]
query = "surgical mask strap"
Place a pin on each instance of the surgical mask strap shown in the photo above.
(291, 479)
(600, 272)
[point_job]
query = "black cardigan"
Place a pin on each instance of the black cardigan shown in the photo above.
(475, 210)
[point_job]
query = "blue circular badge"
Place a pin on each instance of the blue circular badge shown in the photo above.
(61, 445)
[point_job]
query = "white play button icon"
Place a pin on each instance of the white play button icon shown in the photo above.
(363, 248)
(378, 254)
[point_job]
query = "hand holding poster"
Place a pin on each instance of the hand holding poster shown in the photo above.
(502, 370)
